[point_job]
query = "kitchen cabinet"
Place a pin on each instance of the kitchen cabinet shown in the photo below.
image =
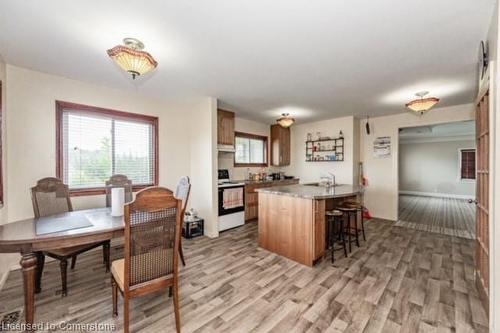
(280, 145)
(252, 197)
(225, 127)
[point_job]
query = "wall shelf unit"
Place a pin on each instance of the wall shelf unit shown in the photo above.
(325, 150)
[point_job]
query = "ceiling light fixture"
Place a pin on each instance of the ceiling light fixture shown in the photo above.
(131, 58)
(421, 104)
(285, 121)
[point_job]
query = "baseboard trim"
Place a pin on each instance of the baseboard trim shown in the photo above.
(3, 279)
(438, 195)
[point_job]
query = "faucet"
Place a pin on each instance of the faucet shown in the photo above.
(330, 179)
(333, 179)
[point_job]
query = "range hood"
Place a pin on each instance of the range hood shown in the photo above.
(226, 148)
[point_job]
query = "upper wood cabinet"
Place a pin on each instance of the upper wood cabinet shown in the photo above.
(225, 127)
(280, 145)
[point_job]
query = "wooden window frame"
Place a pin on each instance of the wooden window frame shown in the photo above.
(61, 106)
(460, 150)
(252, 136)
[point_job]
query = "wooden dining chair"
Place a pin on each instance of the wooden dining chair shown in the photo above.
(118, 181)
(182, 193)
(151, 260)
(50, 196)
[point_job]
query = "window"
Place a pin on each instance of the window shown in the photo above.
(251, 150)
(94, 144)
(467, 164)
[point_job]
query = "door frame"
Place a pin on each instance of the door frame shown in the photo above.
(397, 150)
(494, 186)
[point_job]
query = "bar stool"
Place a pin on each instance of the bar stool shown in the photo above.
(336, 231)
(360, 208)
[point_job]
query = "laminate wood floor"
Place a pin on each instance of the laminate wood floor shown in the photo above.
(400, 280)
(455, 217)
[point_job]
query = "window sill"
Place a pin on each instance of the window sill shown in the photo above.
(100, 191)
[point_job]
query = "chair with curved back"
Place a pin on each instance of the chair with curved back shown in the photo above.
(151, 247)
(118, 181)
(182, 193)
(51, 196)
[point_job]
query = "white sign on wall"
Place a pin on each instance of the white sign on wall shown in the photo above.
(382, 147)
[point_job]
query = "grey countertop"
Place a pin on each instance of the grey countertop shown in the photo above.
(251, 182)
(313, 192)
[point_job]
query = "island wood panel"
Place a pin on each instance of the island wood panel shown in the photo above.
(252, 197)
(286, 227)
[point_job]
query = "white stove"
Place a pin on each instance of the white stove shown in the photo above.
(231, 211)
(229, 184)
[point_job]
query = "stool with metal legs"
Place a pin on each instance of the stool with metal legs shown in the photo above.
(351, 230)
(336, 231)
(360, 208)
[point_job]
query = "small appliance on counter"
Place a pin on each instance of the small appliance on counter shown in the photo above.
(231, 196)
(278, 175)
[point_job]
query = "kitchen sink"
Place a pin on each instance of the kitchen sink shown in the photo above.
(320, 184)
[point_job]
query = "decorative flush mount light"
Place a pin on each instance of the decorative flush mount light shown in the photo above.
(285, 121)
(421, 104)
(131, 58)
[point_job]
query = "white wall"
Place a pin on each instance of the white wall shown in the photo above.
(434, 167)
(30, 136)
(6, 260)
(345, 172)
(31, 131)
(203, 154)
(381, 195)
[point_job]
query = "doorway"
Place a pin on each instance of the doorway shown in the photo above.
(437, 178)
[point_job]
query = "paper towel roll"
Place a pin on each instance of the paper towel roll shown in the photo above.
(117, 201)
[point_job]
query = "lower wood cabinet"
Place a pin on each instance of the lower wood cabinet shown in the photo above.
(251, 206)
(252, 197)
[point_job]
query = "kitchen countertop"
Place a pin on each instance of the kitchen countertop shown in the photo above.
(250, 182)
(313, 192)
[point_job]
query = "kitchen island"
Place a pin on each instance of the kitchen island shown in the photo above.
(292, 218)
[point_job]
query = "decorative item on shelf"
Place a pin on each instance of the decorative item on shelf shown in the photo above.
(309, 137)
(316, 149)
(318, 135)
(285, 121)
(421, 104)
(341, 135)
(131, 58)
(191, 214)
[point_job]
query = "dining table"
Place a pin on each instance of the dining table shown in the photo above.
(33, 235)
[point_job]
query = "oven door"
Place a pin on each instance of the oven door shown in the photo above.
(240, 208)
